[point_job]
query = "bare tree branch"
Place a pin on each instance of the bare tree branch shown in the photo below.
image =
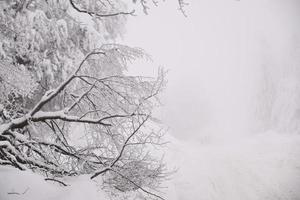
(122, 150)
(144, 190)
(49, 95)
(91, 13)
(55, 180)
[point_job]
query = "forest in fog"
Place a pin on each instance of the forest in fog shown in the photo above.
(144, 99)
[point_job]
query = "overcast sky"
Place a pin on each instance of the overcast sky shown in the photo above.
(215, 57)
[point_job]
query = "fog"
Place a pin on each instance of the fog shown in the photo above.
(232, 105)
(233, 65)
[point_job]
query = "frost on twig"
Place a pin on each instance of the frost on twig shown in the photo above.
(62, 80)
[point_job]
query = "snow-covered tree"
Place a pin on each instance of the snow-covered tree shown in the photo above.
(66, 106)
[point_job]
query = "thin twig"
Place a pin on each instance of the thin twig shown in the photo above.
(91, 13)
(17, 193)
(55, 180)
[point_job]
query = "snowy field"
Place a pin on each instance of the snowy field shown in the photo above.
(261, 167)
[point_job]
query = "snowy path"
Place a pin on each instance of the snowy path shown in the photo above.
(259, 168)
(262, 167)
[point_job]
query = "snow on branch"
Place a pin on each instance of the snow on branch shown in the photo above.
(113, 108)
(70, 109)
(91, 13)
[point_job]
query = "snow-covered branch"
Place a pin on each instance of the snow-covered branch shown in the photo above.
(59, 81)
(92, 13)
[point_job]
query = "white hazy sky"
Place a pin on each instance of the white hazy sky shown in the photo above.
(214, 57)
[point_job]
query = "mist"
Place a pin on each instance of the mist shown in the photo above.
(229, 63)
(232, 101)
(228, 127)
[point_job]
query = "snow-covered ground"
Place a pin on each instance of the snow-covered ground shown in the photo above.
(259, 167)
(20, 185)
